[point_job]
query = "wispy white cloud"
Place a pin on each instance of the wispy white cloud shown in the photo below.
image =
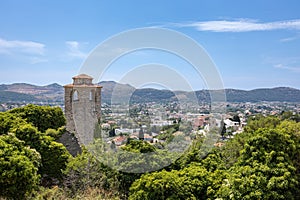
(286, 67)
(74, 50)
(242, 25)
(289, 39)
(18, 46)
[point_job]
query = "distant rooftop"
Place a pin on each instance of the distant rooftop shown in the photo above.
(82, 80)
(82, 76)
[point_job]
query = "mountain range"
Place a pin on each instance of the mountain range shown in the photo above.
(22, 92)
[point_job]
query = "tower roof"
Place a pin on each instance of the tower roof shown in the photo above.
(82, 80)
(82, 76)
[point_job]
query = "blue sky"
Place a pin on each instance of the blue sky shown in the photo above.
(254, 44)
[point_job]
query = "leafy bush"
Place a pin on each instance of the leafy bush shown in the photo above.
(18, 168)
(42, 117)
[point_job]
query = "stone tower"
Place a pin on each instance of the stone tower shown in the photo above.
(82, 107)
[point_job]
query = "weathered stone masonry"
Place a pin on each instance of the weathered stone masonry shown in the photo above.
(82, 107)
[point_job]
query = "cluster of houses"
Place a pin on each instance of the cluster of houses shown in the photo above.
(200, 125)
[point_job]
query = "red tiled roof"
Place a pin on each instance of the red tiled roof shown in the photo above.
(120, 139)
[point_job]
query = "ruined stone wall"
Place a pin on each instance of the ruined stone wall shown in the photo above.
(70, 126)
(84, 113)
(98, 103)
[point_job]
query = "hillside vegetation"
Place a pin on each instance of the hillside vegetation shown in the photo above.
(116, 92)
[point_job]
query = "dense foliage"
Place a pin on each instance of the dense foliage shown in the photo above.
(263, 162)
(42, 117)
(30, 156)
(18, 167)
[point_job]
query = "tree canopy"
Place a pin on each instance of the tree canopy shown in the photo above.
(260, 163)
(42, 117)
(18, 167)
(29, 152)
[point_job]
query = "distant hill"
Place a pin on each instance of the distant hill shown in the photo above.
(285, 94)
(119, 91)
(7, 96)
(281, 94)
(29, 93)
(54, 92)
